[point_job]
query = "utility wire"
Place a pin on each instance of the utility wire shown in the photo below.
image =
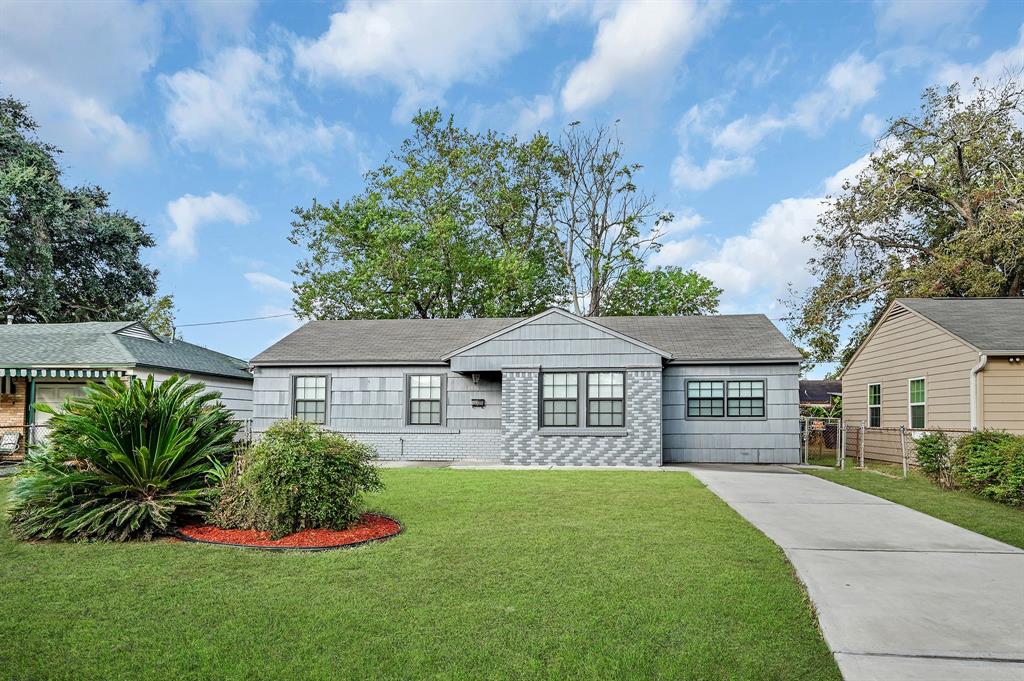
(235, 321)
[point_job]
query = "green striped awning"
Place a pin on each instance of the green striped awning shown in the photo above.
(60, 373)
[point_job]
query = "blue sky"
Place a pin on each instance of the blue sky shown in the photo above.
(211, 121)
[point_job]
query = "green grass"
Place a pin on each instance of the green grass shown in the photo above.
(499, 574)
(958, 507)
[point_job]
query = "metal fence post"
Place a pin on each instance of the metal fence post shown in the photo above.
(840, 453)
(860, 441)
(806, 430)
(903, 450)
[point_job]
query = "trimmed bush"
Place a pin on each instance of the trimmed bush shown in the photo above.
(933, 456)
(1009, 487)
(298, 476)
(979, 462)
(123, 461)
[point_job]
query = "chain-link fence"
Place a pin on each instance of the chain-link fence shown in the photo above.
(886, 445)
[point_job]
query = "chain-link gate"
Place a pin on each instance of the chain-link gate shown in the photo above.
(822, 440)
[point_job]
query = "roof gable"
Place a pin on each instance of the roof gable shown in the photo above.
(990, 325)
(564, 314)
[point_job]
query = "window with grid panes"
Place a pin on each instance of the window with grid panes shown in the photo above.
(605, 398)
(310, 403)
(425, 400)
(746, 398)
(705, 398)
(559, 399)
(917, 403)
(875, 405)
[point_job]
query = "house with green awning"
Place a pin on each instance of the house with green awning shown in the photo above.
(47, 363)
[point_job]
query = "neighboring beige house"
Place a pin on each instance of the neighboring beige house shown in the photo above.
(937, 363)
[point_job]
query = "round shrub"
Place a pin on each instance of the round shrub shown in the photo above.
(126, 460)
(1009, 487)
(979, 462)
(297, 476)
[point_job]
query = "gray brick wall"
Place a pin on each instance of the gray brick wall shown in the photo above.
(451, 445)
(638, 444)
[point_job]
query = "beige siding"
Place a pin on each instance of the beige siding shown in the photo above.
(902, 347)
(1001, 386)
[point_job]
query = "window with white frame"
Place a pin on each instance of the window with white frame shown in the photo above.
(425, 400)
(605, 398)
(746, 398)
(918, 402)
(310, 398)
(560, 399)
(875, 405)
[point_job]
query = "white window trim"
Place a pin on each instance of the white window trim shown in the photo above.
(327, 396)
(443, 399)
(879, 405)
(910, 404)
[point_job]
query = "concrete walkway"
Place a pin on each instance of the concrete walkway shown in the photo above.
(899, 594)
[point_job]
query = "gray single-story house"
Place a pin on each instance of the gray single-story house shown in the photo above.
(555, 388)
(47, 363)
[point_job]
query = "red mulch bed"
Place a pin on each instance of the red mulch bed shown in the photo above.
(371, 527)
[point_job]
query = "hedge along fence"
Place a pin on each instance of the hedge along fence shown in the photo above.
(986, 462)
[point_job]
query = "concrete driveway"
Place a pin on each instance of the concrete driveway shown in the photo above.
(899, 594)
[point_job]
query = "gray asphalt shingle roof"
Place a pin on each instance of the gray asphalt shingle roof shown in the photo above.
(993, 325)
(726, 338)
(98, 345)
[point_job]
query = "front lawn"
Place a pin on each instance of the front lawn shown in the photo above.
(961, 508)
(499, 574)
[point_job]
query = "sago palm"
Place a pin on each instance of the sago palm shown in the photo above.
(123, 461)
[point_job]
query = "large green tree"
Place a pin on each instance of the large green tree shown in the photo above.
(454, 224)
(938, 211)
(65, 255)
(663, 291)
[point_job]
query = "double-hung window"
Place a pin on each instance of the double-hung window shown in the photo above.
(560, 399)
(605, 398)
(310, 398)
(917, 402)
(725, 399)
(746, 398)
(705, 398)
(425, 400)
(875, 405)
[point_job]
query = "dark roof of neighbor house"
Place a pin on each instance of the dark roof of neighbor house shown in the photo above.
(383, 341)
(992, 325)
(819, 391)
(108, 345)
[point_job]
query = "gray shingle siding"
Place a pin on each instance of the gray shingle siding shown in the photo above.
(773, 439)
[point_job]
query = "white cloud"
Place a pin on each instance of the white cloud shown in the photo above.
(678, 252)
(871, 125)
(755, 268)
(74, 63)
(533, 115)
(848, 85)
(689, 175)
(239, 107)
(996, 66)
(219, 21)
(419, 48)
(834, 184)
(189, 212)
(261, 281)
(684, 222)
(638, 44)
(916, 20)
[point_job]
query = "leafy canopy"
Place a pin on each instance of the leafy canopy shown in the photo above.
(939, 211)
(126, 460)
(668, 291)
(464, 224)
(65, 255)
(452, 225)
